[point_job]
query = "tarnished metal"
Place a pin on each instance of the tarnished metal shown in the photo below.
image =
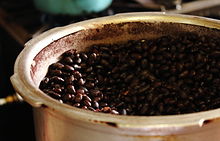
(55, 121)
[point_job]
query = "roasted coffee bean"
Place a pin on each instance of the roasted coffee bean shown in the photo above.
(95, 93)
(70, 89)
(78, 97)
(144, 109)
(56, 72)
(67, 97)
(106, 109)
(54, 94)
(68, 68)
(77, 60)
(84, 56)
(69, 79)
(91, 109)
(87, 103)
(95, 104)
(81, 82)
(77, 67)
(56, 66)
(56, 79)
(123, 112)
(89, 85)
(44, 83)
(83, 65)
(81, 88)
(164, 76)
(85, 97)
(84, 107)
(144, 63)
(68, 60)
(136, 56)
(69, 53)
(103, 104)
(97, 99)
(129, 78)
(114, 112)
(104, 63)
(77, 74)
(76, 104)
(89, 70)
(92, 58)
(57, 90)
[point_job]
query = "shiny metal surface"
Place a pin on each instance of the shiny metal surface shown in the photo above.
(55, 121)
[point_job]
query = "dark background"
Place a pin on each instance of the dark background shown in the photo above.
(16, 122)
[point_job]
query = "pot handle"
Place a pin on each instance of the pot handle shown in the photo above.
(25, 93)
(11, 99)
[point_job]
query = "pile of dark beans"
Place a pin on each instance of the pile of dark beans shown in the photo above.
(163, 76)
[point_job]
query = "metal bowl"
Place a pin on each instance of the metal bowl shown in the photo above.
(55, 121)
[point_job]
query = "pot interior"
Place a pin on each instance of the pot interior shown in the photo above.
(109, 34)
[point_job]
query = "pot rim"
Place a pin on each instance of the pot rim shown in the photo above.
(25, 87)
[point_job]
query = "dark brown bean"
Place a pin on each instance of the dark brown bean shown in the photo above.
(85, 107)
(136, 56)
(95, 104)
(69, 79)
(144, 109)
(68, 68)
(67, 97)
(81, 82)
(85, 97)
(89, 84)
(70, 89)
(114, 112)
(87, 103)
(77, 67)
(54, 94)
(84, 56)
(104, 63)
(77, 60)
(92, 109)
(69, 52)
(57, 66)
(95, 93)
(123, 112)
(77, 74)
(67, 60)
(44, 83)
(57, 90)
(57, 79)
(56, 72)
(106, 109)
(103, 104)
(78, 98)
(77, 105)
(89, 69)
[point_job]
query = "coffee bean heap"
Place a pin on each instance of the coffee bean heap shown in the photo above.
(164, 76)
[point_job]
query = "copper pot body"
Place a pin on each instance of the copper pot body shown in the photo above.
(55, 121)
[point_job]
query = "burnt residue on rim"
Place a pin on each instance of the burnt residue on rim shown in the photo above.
(53, 50)
(154, 28)
(209, 121)
(111, 124)
(44, 106)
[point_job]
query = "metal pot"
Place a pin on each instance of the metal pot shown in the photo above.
(55, 121)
